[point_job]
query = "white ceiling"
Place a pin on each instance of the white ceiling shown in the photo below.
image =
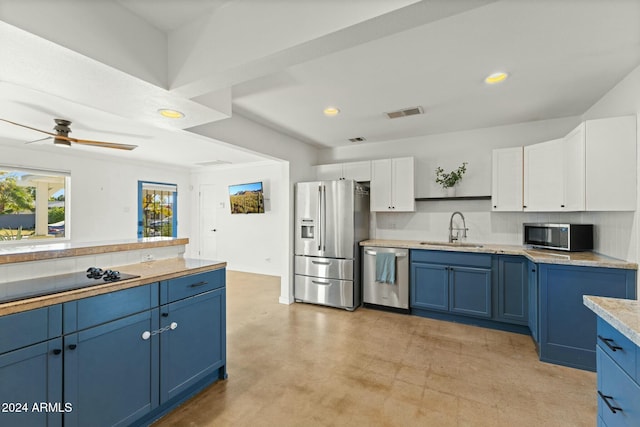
(381, 56)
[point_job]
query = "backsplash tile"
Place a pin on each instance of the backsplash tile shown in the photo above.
(613, 231)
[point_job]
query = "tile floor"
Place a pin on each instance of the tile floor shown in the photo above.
(306, 365)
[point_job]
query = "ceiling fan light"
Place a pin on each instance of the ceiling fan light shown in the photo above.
(61, 142)
(171, 114)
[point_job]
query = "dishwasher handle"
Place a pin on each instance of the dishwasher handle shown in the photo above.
(397, 254)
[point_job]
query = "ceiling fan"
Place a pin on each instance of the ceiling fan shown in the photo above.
(62, 137)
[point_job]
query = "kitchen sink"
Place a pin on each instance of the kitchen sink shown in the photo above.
(452, 245)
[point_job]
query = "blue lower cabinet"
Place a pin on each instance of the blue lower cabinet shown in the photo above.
(430, 286)
(470, 291)
(567, 327)
(511, 291)
(451, 289)
(111, 371)
(31, 386)
(618, 394)
(193, 345)
(532, 271)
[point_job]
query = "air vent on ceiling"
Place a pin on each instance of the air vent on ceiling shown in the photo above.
(358, 139)
(214, 163)
(405, 112)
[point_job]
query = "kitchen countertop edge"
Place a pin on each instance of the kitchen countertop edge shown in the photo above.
(586, 259)
(40, 252)
(149, 272)
(622, 314)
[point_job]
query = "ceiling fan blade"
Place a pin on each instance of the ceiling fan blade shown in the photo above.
(100, 143)
(28, 127)
(38, 140)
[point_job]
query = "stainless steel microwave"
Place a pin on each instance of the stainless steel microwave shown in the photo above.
(563, 237)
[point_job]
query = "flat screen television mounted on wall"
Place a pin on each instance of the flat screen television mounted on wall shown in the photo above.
(246, 198)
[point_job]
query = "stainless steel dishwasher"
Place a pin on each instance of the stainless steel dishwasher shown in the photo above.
(385, 295)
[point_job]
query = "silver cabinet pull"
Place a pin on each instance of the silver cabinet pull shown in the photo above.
(321, 283)
(173, 325)
(146, 335)
(320, 263)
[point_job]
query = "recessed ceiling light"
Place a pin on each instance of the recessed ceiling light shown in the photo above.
(496, 77)
(331, 111)
(170, 114)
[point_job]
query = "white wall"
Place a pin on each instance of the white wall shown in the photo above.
(104, 190)
(297, 157)
(254, 243)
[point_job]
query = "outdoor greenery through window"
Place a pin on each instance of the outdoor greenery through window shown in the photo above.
(157, 215)
(33, 204)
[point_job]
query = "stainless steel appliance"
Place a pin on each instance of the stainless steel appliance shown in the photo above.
(386, 295)
(563, 237)
(332, 217)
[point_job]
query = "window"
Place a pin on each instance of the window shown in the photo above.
(157, 209)
(33, 204)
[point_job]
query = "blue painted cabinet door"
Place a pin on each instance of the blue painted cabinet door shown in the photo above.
(470, 291)
(429, 286)
(567, 327)
(111, 372)
(194, 346)
(31, 376)
(533, 300)
(617, 389)
(512, 298)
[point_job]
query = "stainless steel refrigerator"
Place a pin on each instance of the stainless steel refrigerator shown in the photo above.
(332, 217)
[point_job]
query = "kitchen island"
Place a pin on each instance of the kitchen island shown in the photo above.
(618, 360)
(115, 353)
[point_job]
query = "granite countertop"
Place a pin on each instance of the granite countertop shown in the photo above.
(622, 314)
(38, 251)
(544, 256)
(149, 272)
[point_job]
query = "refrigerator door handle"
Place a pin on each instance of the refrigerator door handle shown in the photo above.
(319, 217)
(324, 218)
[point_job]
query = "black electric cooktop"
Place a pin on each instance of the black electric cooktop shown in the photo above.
(64, 282)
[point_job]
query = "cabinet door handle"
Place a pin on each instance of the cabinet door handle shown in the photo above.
(197, 285)
(173, 325)
(165, 314)
(321, 283)
(72, 346)
(320, 263)
(56, 351)
(609, 343)
(146, 335)
(606, 398)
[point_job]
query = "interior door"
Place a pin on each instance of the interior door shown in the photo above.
(209, 203)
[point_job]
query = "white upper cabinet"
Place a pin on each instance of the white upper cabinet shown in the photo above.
(593, 168)
(506, 183)
(543, 176)
(574, 170)
(393, 185)
(611, 166)
(358, 171)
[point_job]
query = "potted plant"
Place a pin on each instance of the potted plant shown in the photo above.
(449, 180)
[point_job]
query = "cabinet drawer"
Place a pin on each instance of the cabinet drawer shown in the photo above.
(88, 312)
(616, 390)
(30, 327)
(187, 286)
(618, 347)
(324, 267)
(337, 293)
(452, 258)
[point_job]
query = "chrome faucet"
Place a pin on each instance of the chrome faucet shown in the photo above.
(464, 228)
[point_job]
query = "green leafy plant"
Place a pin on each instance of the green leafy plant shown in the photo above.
(448, 180)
